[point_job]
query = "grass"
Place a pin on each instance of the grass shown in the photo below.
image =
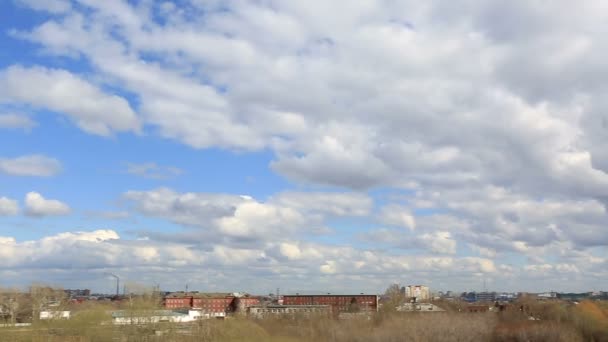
(558, 321)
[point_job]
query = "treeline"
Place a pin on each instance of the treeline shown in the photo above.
(525, 320)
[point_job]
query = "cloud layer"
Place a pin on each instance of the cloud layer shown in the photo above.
(465, 137)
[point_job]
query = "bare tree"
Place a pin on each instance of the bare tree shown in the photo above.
(393, 297)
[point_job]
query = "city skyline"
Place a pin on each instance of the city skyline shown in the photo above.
(341, 146)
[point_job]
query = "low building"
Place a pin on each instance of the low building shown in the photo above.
(477, 308)
(54, 314)
(156, 316)
(486, 297)
(264, 311)
(547, 295)
(421, 307)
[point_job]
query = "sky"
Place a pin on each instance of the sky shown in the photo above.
(311, 146)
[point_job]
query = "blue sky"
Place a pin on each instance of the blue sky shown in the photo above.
(245, 146)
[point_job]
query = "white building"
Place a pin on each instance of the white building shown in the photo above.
(422, 307)
(418, 292)
(263, 311)
(157, 316)
(55, 314)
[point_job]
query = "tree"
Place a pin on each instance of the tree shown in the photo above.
(393, 297)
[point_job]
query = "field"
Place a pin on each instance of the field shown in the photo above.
(554, 321)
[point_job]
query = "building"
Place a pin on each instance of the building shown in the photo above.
(421, 307)
(77, 293)
(263, 311)
(178, 300)
(337, 303)
(146, 317)
(215, 304)
(477, 308)
(46, 314)
(417, 293)
(242, 303)
(547, 295)
(486, 297)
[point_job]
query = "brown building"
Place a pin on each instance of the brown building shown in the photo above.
(338, 303)
(213, 302)
(210, 302)
(178, 300)
(477, 308)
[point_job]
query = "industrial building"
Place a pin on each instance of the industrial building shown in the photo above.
(338, 303)
(217, 304)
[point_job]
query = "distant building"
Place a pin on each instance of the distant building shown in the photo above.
(216, 304)
(178, 300)
(146, 317)
(422, 307)
(77, 293)
(485, 296)
(52, 314)
(477, 308)
(547, 295)
(417, 292)
(263, 311)
(338, 303)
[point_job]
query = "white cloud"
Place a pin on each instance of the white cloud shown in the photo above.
(38, 206)
(221, 215)
(243, 217)
(89, 107)
(396, 215)
(312, 94)
(153, 171)
(12, 120)
(495, 132)
(53, 6)
(30, 165)
(440, 242)
(8, 206)
(83, 257)
(339, 204)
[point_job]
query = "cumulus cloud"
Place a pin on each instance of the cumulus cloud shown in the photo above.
(12, 120)
(339, 204)
(30, 165)
(89, 107)
(88, 254)
(8, 206)
(52, 6)
(437, 119)
(493, 134)
(313, 98)
(153, 171)
(396, 215)
(38, 206)
(241, 217)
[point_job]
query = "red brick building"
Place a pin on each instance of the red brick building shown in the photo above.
(178, 300)
(244, 302)
(338, 303)
(213, 302)
(210, 302)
